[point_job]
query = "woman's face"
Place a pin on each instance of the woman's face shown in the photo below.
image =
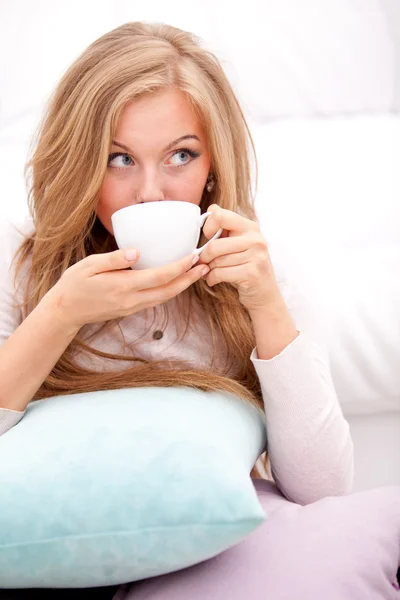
(159, 153)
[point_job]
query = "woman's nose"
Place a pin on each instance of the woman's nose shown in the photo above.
(150, 188)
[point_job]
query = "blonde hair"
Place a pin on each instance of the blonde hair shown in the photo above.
(130, 61)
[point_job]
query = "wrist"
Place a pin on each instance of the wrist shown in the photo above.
(275, 309)
(55, 311)
(274, 329)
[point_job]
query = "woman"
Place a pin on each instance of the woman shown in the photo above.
(146, 114)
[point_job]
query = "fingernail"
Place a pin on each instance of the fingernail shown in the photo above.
(205, 271)
(130, 255)
(196, 258)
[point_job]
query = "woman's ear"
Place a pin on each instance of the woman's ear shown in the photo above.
(210, 182)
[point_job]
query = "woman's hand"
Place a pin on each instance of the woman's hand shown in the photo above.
(240, 257)
(102, 287)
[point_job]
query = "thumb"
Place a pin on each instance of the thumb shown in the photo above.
(112, 261)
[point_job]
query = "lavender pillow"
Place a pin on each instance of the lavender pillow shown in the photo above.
(346, 547)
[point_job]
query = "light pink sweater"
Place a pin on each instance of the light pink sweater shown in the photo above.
(309, 442)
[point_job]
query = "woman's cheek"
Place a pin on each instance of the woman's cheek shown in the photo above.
(113, 196)
(190, 190)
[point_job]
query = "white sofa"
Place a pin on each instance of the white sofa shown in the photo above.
(319, 84)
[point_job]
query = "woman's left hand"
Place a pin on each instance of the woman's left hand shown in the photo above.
(240, 257)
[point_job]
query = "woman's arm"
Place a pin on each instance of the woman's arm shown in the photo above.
(308, 438)
(274, 329)
(29, 355)
(29, 349)
(309, 442)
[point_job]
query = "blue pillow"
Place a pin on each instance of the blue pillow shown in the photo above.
(115, 486)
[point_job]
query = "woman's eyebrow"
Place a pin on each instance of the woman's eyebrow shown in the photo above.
(189, 136)
(115, 143)
(171, 145)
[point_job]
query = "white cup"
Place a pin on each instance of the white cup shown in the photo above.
(163, 231)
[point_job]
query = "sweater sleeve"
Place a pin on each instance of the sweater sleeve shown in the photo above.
(9, 418)
(11, 235)
(309, 442)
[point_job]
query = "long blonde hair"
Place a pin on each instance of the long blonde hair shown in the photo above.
(130, 61)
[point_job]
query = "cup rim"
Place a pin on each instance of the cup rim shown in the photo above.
(175, 202)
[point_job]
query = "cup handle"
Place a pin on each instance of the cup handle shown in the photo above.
(203, 218)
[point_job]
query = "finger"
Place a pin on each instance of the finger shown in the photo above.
(228, 245)
(235, 274)
(159, 295)
(227, 219)
(160, 276)
(109, 261)
(230, 260)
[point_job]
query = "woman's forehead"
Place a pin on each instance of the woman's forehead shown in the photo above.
(164, 116)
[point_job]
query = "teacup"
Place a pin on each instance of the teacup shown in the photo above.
(163, 231)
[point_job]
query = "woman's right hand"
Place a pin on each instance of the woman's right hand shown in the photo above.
(102, 287)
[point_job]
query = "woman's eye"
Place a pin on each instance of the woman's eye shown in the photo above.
(119, 160)
(182, 157)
